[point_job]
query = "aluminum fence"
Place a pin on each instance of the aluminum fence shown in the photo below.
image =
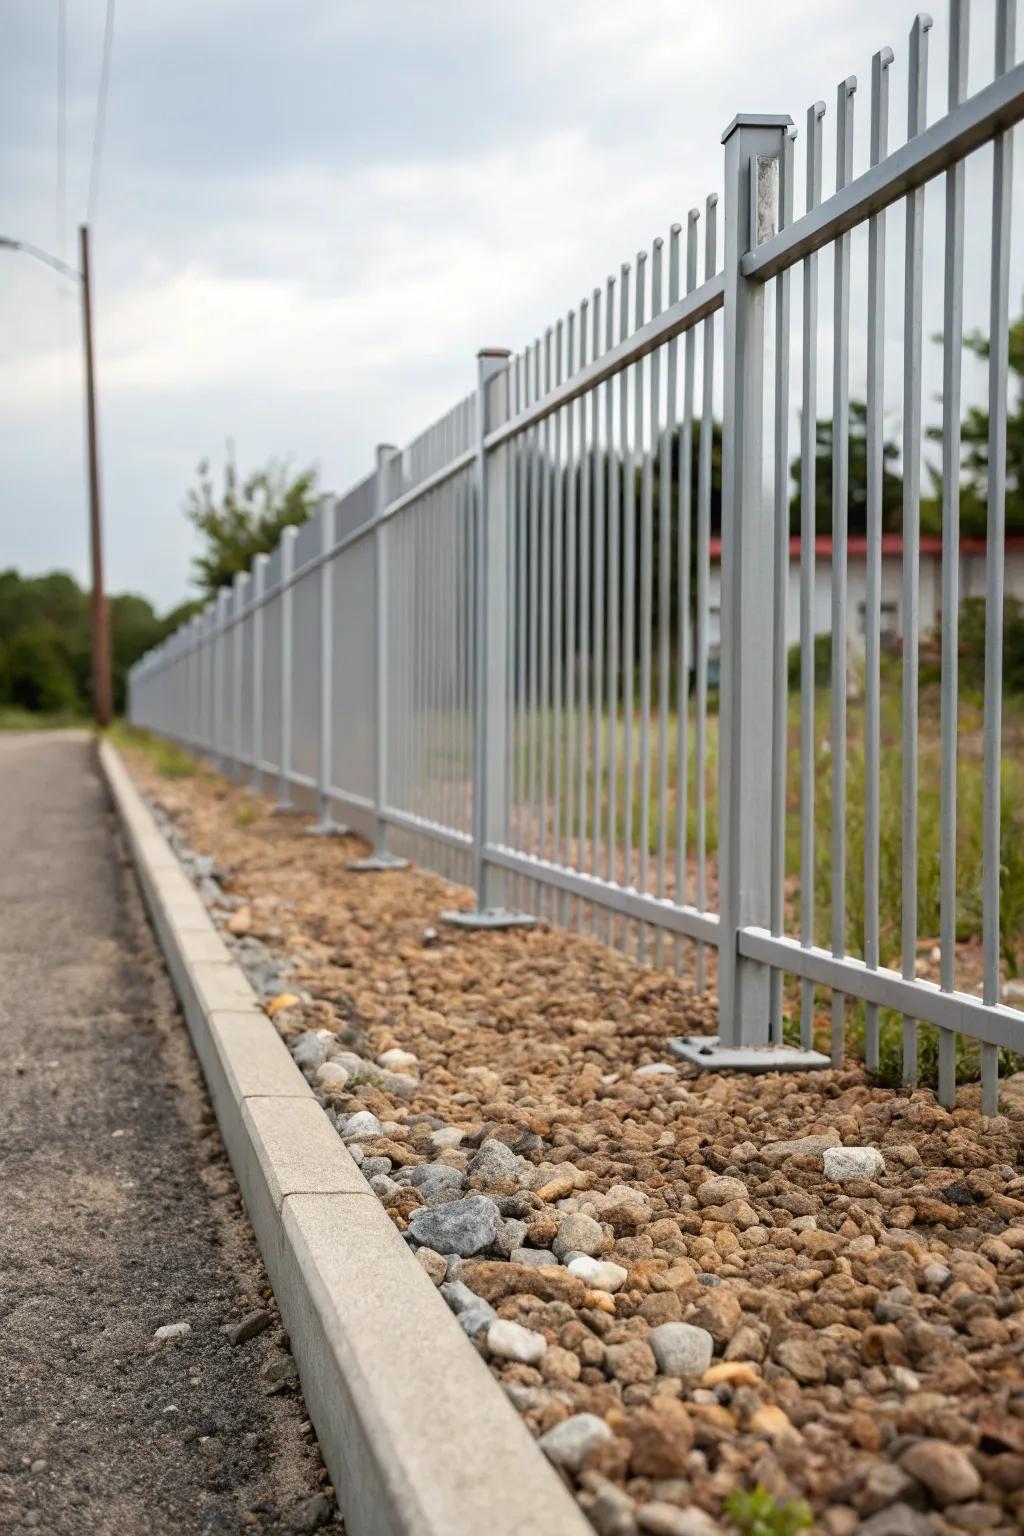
(495, 653)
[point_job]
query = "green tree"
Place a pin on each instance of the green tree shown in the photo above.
(39, 673)
(857, 497)
(246, 518)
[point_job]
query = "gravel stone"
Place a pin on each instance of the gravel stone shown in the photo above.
(946, 1470)
(579, 1234)
(534, 1258)
(172, 1333)
(598, 1275)
(510, 1236)
(494, 1164)
(842, 1163)
(511, 1341)
(309, 1050)
(252, 1324)
(436, 1179)
(682, 1350)
(361, 1126)
(464, 1227)
(570, 1443)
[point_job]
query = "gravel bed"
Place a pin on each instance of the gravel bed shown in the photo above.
(687, 1284)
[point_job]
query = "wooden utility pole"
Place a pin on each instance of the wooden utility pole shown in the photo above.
(102, 701)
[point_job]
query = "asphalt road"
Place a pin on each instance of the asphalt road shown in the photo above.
(118, 1211)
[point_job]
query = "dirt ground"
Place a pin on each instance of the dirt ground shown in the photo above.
(864, 1330)
(120, 1212)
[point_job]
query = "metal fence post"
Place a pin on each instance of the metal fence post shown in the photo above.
(241, 593)
(753, 151)
(192, 684)
(259, 587)
(284, 783)
(490, 647)
(218, 732)
(324, 826)
(381, 858)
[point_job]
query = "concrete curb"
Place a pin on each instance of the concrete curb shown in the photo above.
(418, 1438)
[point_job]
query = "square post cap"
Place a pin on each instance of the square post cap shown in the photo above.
(757, 120)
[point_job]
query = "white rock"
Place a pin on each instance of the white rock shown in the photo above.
(511, 1341)
(447, 1136)
(656, 1069)
(597, 1274)
(172, 1332)
(570, 1443)
(397, 1060)
(361, 1126)
(331, 1076)
(681, 1349)
(852, 1163)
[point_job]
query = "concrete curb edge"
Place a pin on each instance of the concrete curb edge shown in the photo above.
(418, 1438)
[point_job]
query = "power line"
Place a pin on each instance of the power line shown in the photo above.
(101, 113)
(62, 124)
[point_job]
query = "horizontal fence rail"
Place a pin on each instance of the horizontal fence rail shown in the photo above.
(545, 648)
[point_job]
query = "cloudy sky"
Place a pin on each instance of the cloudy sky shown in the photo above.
(311, 215)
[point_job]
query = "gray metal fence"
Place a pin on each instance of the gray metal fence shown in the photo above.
(493, 654)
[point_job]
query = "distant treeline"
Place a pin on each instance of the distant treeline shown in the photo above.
(45, 641)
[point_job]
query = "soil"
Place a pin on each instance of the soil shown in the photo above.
(867, 1333)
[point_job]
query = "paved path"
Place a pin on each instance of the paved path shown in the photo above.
(118, 1212)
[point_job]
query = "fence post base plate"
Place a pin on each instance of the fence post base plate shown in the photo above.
(328, 829)
(377, 862)
(489, 917)
(708, 1054)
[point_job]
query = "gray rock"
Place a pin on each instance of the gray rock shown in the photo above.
(840, 1163)
(610, 1511)
(464, 1227)
(681, 1349)
(897, 1520)
(371, 1166)
(471, 1310)
(494, 1163)
(436, 1179)
(533, 1258)
(311, 1514)
(384, 1187)
(570, 1443)
(936, 1276)
(580, 1233)
(362, 1126)
(510, 1236)
(309, 1050)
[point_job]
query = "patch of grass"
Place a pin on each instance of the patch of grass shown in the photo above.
(755, 1512)
(246, 814)
(14, 718)
(890, 1053)
(169, 761)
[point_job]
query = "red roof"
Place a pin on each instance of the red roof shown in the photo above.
(892, 545)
